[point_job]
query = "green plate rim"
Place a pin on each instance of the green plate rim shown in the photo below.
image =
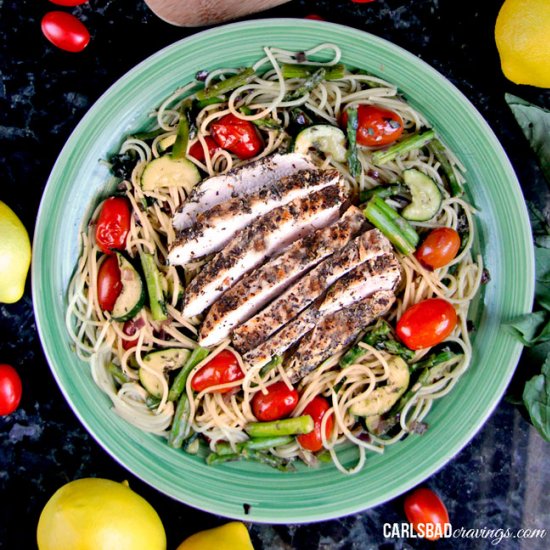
(305, 496)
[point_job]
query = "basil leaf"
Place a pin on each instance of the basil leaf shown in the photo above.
(530, 328)
(535, 124)
(536, 397)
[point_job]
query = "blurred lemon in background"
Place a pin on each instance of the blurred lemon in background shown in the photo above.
(99, 514)
(15, 255)
(231, 536)
(522, 35)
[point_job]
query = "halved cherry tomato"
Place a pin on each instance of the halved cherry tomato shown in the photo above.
(65, 31)
(316, 408)
(113, 224)
(109, 283)
(129, 328)
(375, 126)
(68, 2)
(423, 507)
(237, 136)
(10, 389)
(426, 323)
(196, 151)
(278, 402)
(222, 369)
(439, 248)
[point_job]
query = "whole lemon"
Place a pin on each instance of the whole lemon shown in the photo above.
(522, 35)
(231, 536)
(15, 255)
(99, 514)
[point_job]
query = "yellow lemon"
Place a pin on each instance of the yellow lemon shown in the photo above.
(99, 514)
(522, 35)
(231, 536)
(15, 255)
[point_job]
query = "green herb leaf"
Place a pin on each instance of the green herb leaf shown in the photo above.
(536, 397)
(531, 328)
(535, 124)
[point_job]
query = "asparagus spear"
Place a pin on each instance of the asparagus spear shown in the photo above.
(439, 151)
(117, 373)
(307, 86)
(410, 143)
(281, 464)
(180, 425)
(178, 385)
(293, 70)
(391, 224)
(179, 149)
(288, 426)
(352, 158)
(226, 85)
(383, 191)
(273, 363)
(256, 444)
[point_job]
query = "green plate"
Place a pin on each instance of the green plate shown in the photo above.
(78, 179)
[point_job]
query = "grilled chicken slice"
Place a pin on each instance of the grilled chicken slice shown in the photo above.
(215, 227)
(259, 287)
(380, 273)
(307, 289)
(243, 180)
(335, 332)
(264, 237)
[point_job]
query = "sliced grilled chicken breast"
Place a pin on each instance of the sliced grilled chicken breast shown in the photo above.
(264, 237)
(307, 289)
(243, 180)
(335, 332)
(215, 227)
(380, 273)
(261, 285)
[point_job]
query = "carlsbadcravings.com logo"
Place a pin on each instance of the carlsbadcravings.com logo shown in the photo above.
(432, 531)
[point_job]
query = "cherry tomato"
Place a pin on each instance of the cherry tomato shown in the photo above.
(314, 16)
(113, 224)
(439, 248)
(423, 506)
(222, 369)
(375, 126)
(129, 328)
(316, 408)
(362, 1)
(109, 284)
(65, 31)
(196, 151)
(10, 389)
(278, 403)
(426, 323)
(68, 2)
(237, 136)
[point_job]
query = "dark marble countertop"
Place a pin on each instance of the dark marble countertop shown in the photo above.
(501, 480)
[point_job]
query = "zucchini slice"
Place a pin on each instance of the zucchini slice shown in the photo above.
(323, 137)
(426, 196)
(382, 399)
(158, 364)
(132, 296)
(167, 171)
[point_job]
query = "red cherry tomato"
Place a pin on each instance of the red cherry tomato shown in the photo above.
(278, 403)
(362, 1)
(426, 323)
(109, 284)
(196, 151)
(423, 507)
(65, 31)
(10, 389)
(68, 2)
(314, 16)
(129, 329)
(376, 126)
(237, 136)
(316, 408)
(113, 224)
(222, 369)
(439, 248)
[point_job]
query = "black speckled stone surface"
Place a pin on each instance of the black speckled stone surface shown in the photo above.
(501, 480)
